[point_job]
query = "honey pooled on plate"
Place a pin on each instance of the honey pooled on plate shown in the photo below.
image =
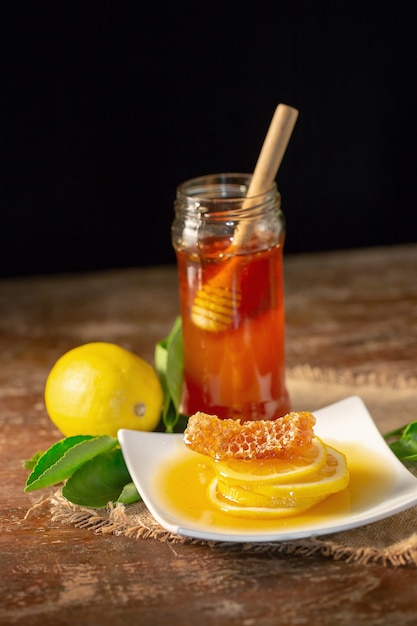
(267, 468)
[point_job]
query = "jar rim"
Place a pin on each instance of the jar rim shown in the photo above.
(217, 188)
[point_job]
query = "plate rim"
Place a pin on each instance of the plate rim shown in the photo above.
(376, 512)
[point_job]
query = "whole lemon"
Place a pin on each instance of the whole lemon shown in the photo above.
(99, 387)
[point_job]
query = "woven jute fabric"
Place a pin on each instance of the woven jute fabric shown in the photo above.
(391, 541)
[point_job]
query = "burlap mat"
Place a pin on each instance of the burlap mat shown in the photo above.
(392, 541)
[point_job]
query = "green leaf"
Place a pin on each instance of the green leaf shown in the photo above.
(403, 442)
(93, 466)
(161, 365)
(175, 364)
(403, 450)
(169, 365)
(129, 494)
(29, 464)
(98, 481)
(394, 433)
(410, 433)
(66, 456)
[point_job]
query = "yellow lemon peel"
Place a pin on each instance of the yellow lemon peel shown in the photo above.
(271, 498)
(99, 387)
(254, 511)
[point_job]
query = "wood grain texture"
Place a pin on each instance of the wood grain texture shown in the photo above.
(349, 315)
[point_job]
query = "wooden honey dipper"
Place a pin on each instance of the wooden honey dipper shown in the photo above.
(214, 303)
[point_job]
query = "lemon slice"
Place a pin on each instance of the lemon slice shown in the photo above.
(249, 498)
(272, 471)
(332, 477)
(267, 501)
(258, 512)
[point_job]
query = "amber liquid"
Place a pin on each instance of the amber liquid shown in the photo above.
(238, 372)
(184, 479)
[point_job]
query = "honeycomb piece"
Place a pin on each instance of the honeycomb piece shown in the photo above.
(286, 437)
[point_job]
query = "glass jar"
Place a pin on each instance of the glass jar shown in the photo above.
(229, 250)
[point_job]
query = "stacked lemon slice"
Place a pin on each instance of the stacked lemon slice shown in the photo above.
(271, 488)
(267, 469)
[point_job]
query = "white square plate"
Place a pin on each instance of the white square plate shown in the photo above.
(345, 425)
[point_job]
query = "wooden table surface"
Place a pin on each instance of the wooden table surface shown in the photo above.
(351, 329)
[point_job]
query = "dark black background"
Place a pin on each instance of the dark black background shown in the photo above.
(108, 106)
